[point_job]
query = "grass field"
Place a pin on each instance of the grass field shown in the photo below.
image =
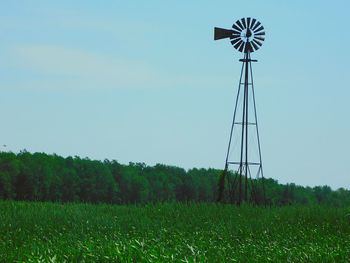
(46, 232)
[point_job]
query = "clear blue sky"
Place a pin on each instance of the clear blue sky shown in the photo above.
(144, 81)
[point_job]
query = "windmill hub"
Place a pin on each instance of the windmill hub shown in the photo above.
(248, 33)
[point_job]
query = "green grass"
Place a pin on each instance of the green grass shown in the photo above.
(46, 232)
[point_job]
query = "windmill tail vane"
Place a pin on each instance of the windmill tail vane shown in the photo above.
(242, 179)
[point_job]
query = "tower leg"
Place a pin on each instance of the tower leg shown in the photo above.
(243, 189)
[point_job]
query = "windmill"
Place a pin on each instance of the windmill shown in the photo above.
(243, 173)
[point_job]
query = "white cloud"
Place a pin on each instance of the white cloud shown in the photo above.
(51, 66)
(86, 67)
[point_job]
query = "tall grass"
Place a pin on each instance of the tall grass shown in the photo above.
(47, 232)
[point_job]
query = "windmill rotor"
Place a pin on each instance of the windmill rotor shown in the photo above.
(247, 34)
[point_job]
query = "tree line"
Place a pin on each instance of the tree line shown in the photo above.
(44, 177)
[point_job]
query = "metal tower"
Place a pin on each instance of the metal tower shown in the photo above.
(243, 173)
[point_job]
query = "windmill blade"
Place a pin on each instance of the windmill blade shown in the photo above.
(235, 37)
(248, 22)
(259, 29)
(220, 33)
(238, 23)
(241, 47)
(256, 25)
(257, 42)
(253, 23)
(236, 32)
(244, 24)
(260, 38)
(236, 28)
(260, 34)
(238, 44)
(256, 47)
(234, 41)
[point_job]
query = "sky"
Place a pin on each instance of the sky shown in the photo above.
(144, 81)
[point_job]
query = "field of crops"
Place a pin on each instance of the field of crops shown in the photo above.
(46, 232)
